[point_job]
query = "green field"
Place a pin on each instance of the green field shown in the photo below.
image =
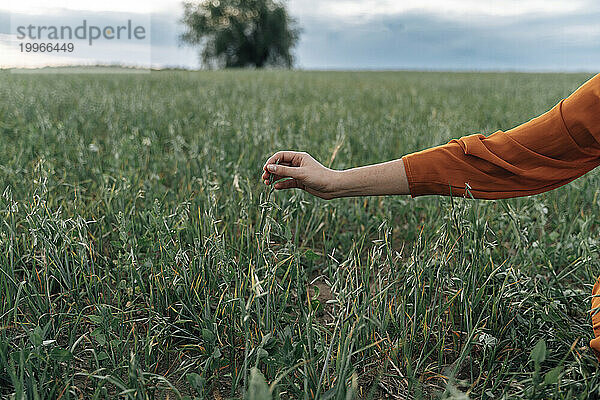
(142, 257)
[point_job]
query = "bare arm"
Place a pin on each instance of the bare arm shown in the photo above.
(537, 156)
(308, 174)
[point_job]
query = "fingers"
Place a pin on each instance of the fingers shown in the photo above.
(277, 166)
(285, 157)
(288, 184)
(293, 184)
(267, 176)
(285, 171)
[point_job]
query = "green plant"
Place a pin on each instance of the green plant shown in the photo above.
(141, 256)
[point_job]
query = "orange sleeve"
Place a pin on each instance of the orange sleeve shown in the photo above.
(540, 155)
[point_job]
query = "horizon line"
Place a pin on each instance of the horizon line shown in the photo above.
(308, 69)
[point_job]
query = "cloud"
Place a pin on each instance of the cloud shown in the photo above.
(423, 39)
(160, 50)
(450, 8)
(134, 6)
(392, 34)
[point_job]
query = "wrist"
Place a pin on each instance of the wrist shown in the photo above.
(345, 183)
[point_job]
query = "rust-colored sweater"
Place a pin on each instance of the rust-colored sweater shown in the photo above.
(540, 155)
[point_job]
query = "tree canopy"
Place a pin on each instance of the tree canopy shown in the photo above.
(241, 33)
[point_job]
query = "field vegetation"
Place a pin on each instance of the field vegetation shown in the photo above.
(141, 256)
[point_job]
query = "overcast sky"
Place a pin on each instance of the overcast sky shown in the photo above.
(354, 34)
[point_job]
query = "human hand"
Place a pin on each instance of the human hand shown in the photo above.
(303, 171)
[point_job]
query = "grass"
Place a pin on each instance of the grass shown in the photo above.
(141, 257)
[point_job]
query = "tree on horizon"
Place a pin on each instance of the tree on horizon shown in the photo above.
(241, 33)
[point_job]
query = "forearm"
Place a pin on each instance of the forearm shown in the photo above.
(537, 156)
(386, 178)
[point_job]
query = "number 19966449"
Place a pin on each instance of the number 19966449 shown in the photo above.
(47, 47)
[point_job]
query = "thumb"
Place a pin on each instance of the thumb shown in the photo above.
(284, 170)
